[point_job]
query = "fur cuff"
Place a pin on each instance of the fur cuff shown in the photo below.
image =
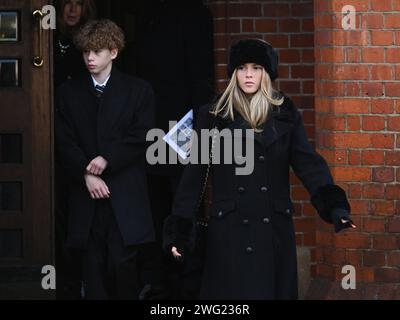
(177, 233)
(328, 198)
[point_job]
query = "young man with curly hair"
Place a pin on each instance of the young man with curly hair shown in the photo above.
(102, 120)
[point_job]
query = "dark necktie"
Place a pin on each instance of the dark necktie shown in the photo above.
(99, 90)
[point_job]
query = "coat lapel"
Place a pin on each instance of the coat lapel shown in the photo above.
(277, 125)
(111, 105)
(87, 98)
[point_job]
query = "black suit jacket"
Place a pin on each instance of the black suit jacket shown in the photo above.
(116, 129)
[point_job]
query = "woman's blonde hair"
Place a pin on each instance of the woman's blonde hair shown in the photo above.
(89, 12)
(254, 109)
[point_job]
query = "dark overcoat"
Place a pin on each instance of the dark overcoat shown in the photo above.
(114, 127)
(68, 65)
(251, 245)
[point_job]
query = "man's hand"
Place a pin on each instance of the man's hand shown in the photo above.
(97, 187)
(97, 166)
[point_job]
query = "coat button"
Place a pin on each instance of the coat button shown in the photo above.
(261, 158)
(245, 222)
(288, 211)
(220, 214)
(249, 250)
(264, 189)
(241, 190)
(266, 220)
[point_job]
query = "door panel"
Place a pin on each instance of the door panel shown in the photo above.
(26, 231)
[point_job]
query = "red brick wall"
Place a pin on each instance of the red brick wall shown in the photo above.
(357, 126)
(352, 113)
(288, 26)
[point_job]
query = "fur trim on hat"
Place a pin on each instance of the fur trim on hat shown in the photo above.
(254, 51)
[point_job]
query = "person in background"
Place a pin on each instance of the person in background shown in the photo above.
(72, 14)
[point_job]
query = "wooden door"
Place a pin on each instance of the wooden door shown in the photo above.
(26, 222)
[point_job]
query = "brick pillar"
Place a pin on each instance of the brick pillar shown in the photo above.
(357, 130)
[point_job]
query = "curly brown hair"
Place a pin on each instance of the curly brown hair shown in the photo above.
(98, 35)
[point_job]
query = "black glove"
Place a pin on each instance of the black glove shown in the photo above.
(341, 219)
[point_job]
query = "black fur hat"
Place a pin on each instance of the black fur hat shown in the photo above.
(254, 51)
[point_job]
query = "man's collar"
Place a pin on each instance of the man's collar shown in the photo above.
(95, 83)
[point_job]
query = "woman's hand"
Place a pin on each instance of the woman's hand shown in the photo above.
(341, 219)
(349, 222)
(175, 253)
(345, 223)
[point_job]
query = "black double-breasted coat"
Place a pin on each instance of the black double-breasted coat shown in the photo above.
(114, 127)
(251, 247)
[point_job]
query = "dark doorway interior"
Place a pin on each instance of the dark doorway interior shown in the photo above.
(131, 16)
(169, 43)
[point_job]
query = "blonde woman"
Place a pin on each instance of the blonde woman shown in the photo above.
(251, 246)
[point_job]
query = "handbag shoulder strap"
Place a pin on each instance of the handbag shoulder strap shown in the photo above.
(204, 187)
